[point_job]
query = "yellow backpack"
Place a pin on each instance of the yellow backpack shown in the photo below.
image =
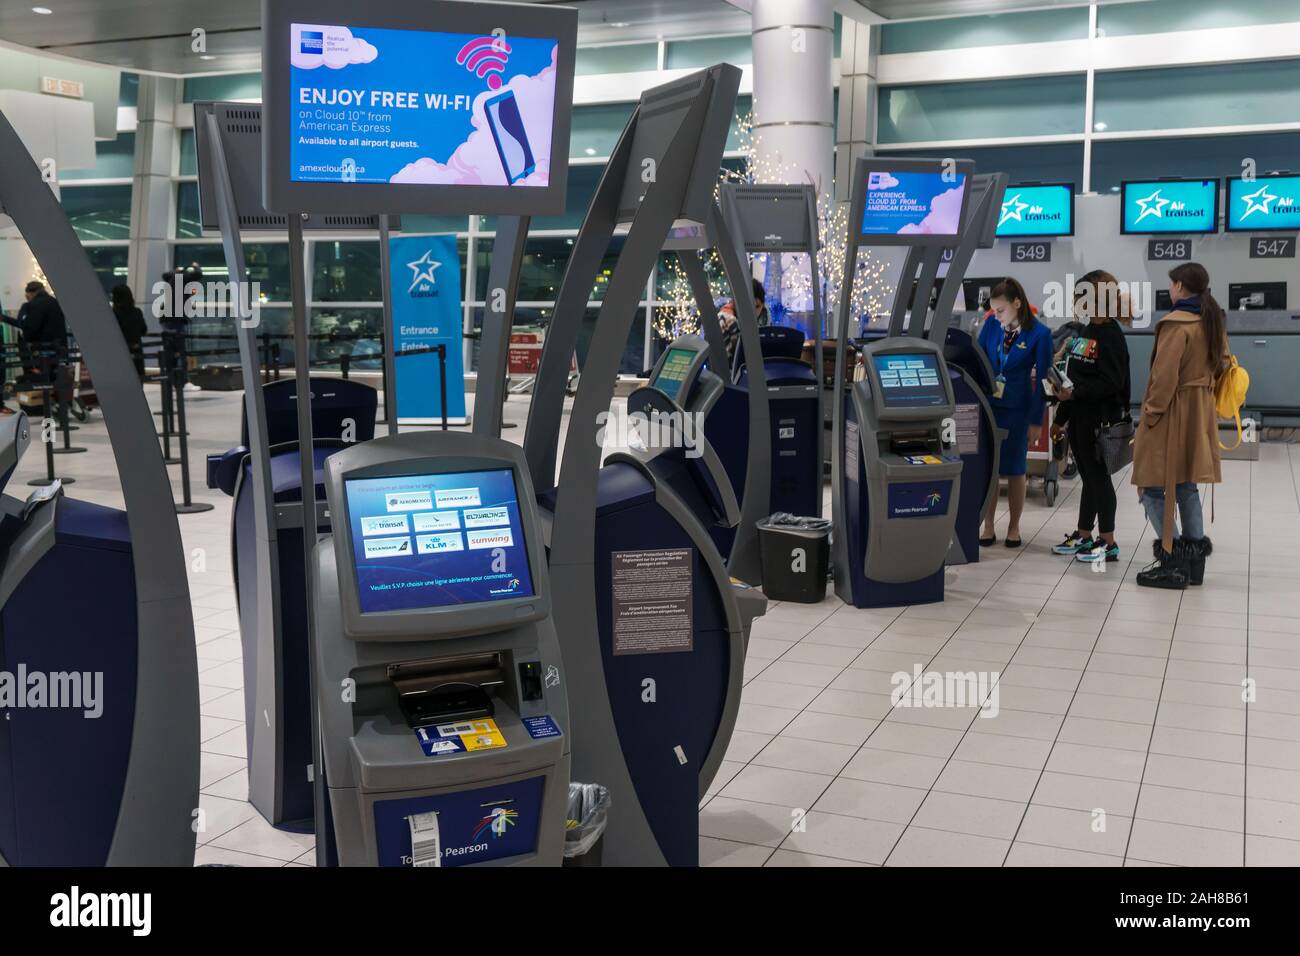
(1230, 396)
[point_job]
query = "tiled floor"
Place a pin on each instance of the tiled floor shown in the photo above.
(1121, 737)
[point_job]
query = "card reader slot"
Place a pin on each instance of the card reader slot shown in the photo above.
(448, 688)
(914, 443)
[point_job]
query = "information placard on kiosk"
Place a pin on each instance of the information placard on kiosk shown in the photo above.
(439, 107)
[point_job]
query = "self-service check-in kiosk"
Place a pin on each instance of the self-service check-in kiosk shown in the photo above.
(441, 708)
(896, 480)
(651, 626)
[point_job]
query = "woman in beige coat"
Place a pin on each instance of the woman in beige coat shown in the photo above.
(1177, 443)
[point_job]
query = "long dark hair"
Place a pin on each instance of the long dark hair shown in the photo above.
(122, 297)
(1009, 290)
(1193, 277)
(1108, 300)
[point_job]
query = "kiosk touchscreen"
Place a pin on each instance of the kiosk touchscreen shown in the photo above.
(910, 380)
(447, 744)
(676, 365)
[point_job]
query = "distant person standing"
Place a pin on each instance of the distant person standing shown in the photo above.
(40, 319)
(1019, 349)
(731, 328)
(131, 321)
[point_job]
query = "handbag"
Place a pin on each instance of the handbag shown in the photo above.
(1115, 444)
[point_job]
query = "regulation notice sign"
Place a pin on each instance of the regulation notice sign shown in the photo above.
(652, 601)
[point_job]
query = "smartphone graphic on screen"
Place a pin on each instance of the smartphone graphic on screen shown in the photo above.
(510, 137)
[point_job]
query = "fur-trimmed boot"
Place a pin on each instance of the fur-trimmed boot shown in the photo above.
(1197, 550)
(1170, 569)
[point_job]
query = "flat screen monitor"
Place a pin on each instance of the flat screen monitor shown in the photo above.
(977, 291)
(423, 542)
(1041, 210)
(674, 370)
(910, 380)
(440, 106)
(1263, 204)
(1178, 206)
(915, 202)
(1256, 295)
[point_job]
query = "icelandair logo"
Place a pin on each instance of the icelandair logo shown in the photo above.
(423, 278)
(1014, 210)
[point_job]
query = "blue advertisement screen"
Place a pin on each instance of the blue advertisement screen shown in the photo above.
(409, 106)
(430, 541)
(1037, 211)
(925, 203)
(1174, 207)
(910, 380)
(1265, 203)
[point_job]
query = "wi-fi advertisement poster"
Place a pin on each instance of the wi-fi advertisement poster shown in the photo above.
(417, 107)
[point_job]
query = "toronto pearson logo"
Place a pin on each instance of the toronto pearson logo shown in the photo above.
(498, 821)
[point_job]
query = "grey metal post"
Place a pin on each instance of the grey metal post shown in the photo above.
(542, 435)
(596, 747)
(306, 459)
(388, 340)
(921, 299)
(745, 562)
(498, 320)
(986, 202)
(898, 314)
(819, 323)
(265, 738)
(161, 791)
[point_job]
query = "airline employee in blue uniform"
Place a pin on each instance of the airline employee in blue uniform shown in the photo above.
(1019, 348)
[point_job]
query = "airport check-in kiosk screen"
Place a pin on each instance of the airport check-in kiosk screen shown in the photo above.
(910, 380)
(1180, 206)
(677, 365)
(441, 540)
(372, 105)
(1040, 211)
(913, 203)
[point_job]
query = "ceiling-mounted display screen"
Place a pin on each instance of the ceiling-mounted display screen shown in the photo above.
(1262, 204)
(1179, 206)
(1040, 210)
(908, 201)
(437, 106)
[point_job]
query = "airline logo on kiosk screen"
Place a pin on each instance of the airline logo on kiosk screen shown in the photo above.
(1265, 203)
(468, 545)
(916, 203)
(1036, 211)
(1177, 207)
(420, 107)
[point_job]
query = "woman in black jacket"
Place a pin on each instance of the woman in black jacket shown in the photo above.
(131, 321)
(1096, 365)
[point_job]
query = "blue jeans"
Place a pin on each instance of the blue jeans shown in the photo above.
(1188, 497)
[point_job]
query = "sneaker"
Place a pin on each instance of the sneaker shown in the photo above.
(1074, 543)
(1100, 551)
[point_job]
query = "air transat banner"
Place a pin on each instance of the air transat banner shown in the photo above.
(427, 312)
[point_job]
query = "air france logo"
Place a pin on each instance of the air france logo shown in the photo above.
(422, 274)
(1258, 201)
(312, 41)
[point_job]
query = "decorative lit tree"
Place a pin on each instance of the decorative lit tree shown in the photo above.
(788, 282)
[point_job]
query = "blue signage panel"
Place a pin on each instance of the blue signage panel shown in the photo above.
(918, 499)
(913, 203)
(427, 312)
(473, 825)
(1181, 207)
(1046, 210)
(411, 106)
(1264, 204)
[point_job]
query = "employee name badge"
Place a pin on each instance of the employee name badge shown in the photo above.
(464, 736)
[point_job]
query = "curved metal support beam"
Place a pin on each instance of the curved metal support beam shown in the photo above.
(498, 321)
(161, 791)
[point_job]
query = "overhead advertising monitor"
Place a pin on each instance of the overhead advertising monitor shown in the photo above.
(1041, 210)
(422, 542)
(435, 107)
(1263, 204)
(915, 201)
(1179, 206)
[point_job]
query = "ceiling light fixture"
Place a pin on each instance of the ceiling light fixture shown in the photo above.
(43, 11)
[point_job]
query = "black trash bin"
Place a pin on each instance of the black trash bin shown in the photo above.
(587, 815)
(796, 554)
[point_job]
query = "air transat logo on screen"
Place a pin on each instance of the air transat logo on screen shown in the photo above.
(422, 271)
(1171, 206)
(1272, 203)
(1036, 211)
